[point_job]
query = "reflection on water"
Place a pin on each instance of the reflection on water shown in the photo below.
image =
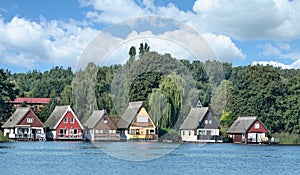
(154, 158)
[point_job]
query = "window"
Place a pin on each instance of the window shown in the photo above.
(209, 121)
(97, 131)
(201, 132)
(152, 132)
(38, 131)
(137, 131)
(30, 120)
(183, 133)
(65, 120)
(256, 126)
(189, 133)
(208, 132)
(206, 121)
(111, 131)
(62, 132)
(105, 120)
(132, 131)
(101, 131)
(72, 120)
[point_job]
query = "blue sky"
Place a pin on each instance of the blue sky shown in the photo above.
(38, 34)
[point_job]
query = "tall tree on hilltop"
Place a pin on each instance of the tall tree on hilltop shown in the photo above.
(143, 49)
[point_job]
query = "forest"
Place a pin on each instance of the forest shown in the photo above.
(168, 87)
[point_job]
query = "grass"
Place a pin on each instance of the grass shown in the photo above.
(3, 138)
(286, 138)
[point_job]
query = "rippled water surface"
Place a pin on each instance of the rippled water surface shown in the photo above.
(146, 158)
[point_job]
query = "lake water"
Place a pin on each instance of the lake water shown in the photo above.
(146, 158)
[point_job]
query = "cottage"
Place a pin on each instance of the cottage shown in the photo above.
(24, 125)
(63, 124)
(248, 130)
(100, 127)
(200, 126)
(136, 124)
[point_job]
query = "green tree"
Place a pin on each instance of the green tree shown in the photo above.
(7, 93)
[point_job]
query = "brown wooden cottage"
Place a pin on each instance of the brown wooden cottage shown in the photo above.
(100, 127)
(63, 124)
(248, 130)
(200, 126)
(136, 123)
(24, 125)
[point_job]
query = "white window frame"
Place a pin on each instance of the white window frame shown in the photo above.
(30, 120)
(256, 126)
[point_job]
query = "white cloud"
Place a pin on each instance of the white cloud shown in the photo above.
(280, 50)
(224, 47)
(269, 19)
(294, 65)
(25, 43)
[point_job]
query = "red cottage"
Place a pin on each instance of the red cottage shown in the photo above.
(248, 130)
(63, 124)
(24, 125)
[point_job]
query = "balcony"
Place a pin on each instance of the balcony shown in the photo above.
(69, 137)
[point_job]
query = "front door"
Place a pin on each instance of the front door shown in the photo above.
(34, 134)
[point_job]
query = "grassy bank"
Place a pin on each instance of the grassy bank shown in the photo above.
(286, 138)
(3, 138)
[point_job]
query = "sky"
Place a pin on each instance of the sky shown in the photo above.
(39, 35)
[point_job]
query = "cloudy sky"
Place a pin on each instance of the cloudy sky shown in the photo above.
(38, 34)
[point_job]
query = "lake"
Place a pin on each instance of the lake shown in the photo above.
(146, 158)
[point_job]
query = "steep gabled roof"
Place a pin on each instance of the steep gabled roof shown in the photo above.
(242, 124)
(16, 117)
(195, 117)
(55, 116)
(94, 118)
(129, 114)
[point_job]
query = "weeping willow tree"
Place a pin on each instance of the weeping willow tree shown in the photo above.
(166, 101)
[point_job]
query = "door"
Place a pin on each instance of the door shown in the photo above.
(34, 134)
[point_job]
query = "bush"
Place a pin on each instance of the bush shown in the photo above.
(287, 138)
(3, 138)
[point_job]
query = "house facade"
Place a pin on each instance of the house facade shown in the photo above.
(200, 126)
(136, 123)
(100, 127)
(35, 103)
(24, 125)
(63, 124)
(248, 130)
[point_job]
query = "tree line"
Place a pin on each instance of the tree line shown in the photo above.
(168, 87)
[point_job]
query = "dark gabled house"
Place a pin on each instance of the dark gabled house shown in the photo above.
(200, 126)
(100, 127)
(248, 130)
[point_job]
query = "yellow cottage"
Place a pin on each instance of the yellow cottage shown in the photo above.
(136, 123)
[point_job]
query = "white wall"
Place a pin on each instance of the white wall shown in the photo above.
(188, 136)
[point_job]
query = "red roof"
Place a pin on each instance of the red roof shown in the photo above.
(32, 100)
